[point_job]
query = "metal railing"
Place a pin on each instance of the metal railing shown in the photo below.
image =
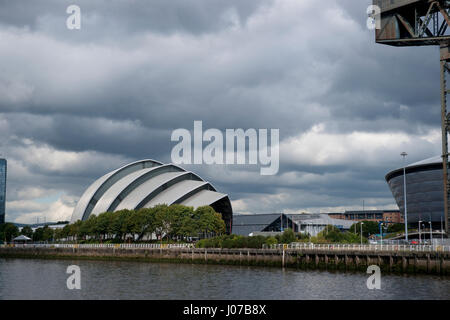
(291, 246)
(358, 247)
(107, 245)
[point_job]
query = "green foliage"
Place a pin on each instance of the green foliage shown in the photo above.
(396, 227)
(288, 236)
(43, 234)
(88, 227)
(235, 241)
(183, 223)
(143, 222)
(163, 220)
(208, 221)
(173, 222)
(368, 228)
(270, 241)
(331, 234)
(47, 233)
(27, 231)
(8, 231)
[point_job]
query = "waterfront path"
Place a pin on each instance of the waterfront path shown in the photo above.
(391, 258)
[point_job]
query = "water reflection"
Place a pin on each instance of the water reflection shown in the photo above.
(46, 279)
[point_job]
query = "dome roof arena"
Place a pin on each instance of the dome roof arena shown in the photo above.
(424, 190)
(146, 183)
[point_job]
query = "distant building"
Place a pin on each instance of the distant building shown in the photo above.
(253, 224)
(147, 183)
(424, 191)
(2, 190)
(34, 226)
(393, 216)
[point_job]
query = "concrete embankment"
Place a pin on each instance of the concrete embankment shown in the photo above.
(388, 261)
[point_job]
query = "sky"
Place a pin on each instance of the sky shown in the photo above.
(76, 104)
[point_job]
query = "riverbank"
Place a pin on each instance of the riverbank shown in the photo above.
(304, 258)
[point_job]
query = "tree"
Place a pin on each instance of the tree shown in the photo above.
(47, 233)
(103, 225)
(58, 233)
(38, 234)
(396, 227)
(331, 234)
(27, 231)
(368, 227)
(163, 220)
(271, 240)
(64, 232)
(288, 236)
(108, 221)
(74, 229)
(208, 221)
(143, 222)
(183, 223)
(87, 228)
(120, 223)
(8, 231)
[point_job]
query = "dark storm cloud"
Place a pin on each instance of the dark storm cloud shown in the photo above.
(73, 133)
(111, 18)
(76, 104)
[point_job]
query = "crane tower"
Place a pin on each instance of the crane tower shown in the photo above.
(421, 23)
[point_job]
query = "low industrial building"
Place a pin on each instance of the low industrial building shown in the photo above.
(392, 216)
(312, 224)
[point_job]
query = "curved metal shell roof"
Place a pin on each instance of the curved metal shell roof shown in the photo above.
(429, 163)
(147, 183)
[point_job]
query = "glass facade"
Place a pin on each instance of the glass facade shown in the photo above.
(424, 192)
(2, 189)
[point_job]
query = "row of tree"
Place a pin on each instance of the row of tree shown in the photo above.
(8, 231)
(236, 241)
(373, 227)
(174, 222)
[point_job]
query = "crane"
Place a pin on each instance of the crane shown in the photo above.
(403, 23)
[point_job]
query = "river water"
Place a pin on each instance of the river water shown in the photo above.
(46, 279)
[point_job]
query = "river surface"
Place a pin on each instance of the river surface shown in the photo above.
(47, 279)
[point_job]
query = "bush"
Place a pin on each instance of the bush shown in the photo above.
(270, 241)
(234, 241)
(288, 236)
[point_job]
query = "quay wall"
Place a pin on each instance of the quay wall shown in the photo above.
(305, 258)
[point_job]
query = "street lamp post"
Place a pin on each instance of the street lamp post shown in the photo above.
(309, 232)
(381, 232)
(420, 237)
(431, 233)
(361, 232)
(404, 154)
(281, 222)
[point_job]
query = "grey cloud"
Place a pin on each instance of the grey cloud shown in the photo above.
(108, 19)
(114, 91)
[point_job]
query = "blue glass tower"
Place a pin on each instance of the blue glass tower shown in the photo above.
(2, 189)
